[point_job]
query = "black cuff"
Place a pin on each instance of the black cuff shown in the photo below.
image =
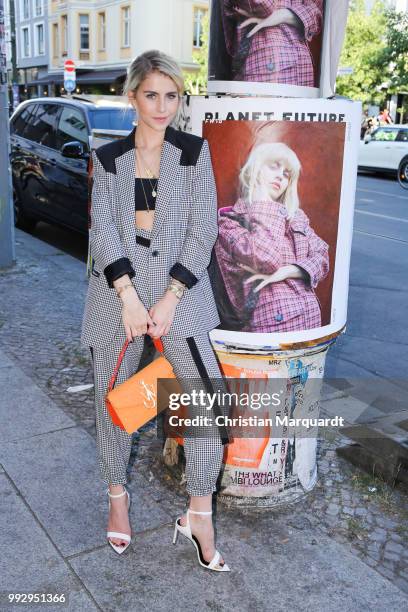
(117, 269)
(182, 274)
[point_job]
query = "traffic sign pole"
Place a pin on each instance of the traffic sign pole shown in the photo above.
(69, 76)
(7, 251)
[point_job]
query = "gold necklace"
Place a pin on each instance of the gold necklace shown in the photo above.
(149, 175)
(147, 170)
(154, 189)
(145, 197)
(144, 192)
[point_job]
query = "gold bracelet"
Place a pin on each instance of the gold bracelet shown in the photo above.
(176, 289)
(177, 283)
(120, 290)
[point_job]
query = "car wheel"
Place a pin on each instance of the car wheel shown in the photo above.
(403, 173)
(21, 219)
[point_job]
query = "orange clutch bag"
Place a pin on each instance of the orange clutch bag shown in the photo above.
(134, 402)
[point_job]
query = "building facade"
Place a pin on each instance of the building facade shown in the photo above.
(31, 35)
(101, 37)
(8, 34)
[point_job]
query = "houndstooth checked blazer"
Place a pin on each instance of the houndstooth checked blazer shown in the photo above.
(182, 238)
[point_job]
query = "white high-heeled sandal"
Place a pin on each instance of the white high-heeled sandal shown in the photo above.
(186, 531)
(116, 534)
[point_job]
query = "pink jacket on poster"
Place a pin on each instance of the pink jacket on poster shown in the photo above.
(261, 236)
(277, 54)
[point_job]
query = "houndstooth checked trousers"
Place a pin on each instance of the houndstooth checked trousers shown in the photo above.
(186, 355)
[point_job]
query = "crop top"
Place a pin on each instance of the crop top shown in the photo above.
(140, 201)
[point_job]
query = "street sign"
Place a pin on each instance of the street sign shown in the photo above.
(69, 85)
(344, 71)
(69, 65)
(69, 76)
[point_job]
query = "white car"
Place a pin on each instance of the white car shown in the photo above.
(386, 150)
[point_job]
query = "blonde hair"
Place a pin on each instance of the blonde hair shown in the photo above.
(153, 61)
(272, 152)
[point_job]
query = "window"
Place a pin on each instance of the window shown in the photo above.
(38, 8)
(64, 34)
(84, 32)
(55, 40)
(41, 125)
(101, 32)
(25, 9)
(112, 118)
(20, 122)
(28, 130)
(25, 42)
(199, 14)
(385, 134)
(402, 136)
(39, 39)
(72, 126)
(126, 26)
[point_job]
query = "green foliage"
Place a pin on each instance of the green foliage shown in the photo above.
(376, 46)
(196, 82)
(395, 53)
(364, 41)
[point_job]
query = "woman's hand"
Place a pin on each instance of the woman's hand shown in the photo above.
(276, 18)
(162, 315)
(284, 272)
(134, 315)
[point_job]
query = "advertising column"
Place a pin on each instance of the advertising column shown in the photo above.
(285, 163)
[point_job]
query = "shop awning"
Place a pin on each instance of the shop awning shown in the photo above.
(100, 76)
(82, 76)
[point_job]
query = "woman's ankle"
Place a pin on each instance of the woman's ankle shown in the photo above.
(201, 503)
(116, 488)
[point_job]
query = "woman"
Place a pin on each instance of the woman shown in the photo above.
(268, 39)
(154, 224)
(266, 237)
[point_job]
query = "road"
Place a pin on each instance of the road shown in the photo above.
(376, 340)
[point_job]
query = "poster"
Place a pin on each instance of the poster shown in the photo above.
(285, 172)
(279, 465)
(271, 407)
(275, 47)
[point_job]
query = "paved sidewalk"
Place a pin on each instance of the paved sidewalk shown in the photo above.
(342, 548)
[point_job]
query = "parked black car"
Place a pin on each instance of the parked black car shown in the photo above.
(51, 139)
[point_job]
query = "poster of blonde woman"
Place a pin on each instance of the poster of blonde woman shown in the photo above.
(270, 258)
(275, 47)
(285, 173)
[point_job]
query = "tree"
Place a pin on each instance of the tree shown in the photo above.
(394, 56)
(364, 42)
(196, 82)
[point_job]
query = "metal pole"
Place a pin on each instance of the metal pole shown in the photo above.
(12, 9)
(7, 252)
